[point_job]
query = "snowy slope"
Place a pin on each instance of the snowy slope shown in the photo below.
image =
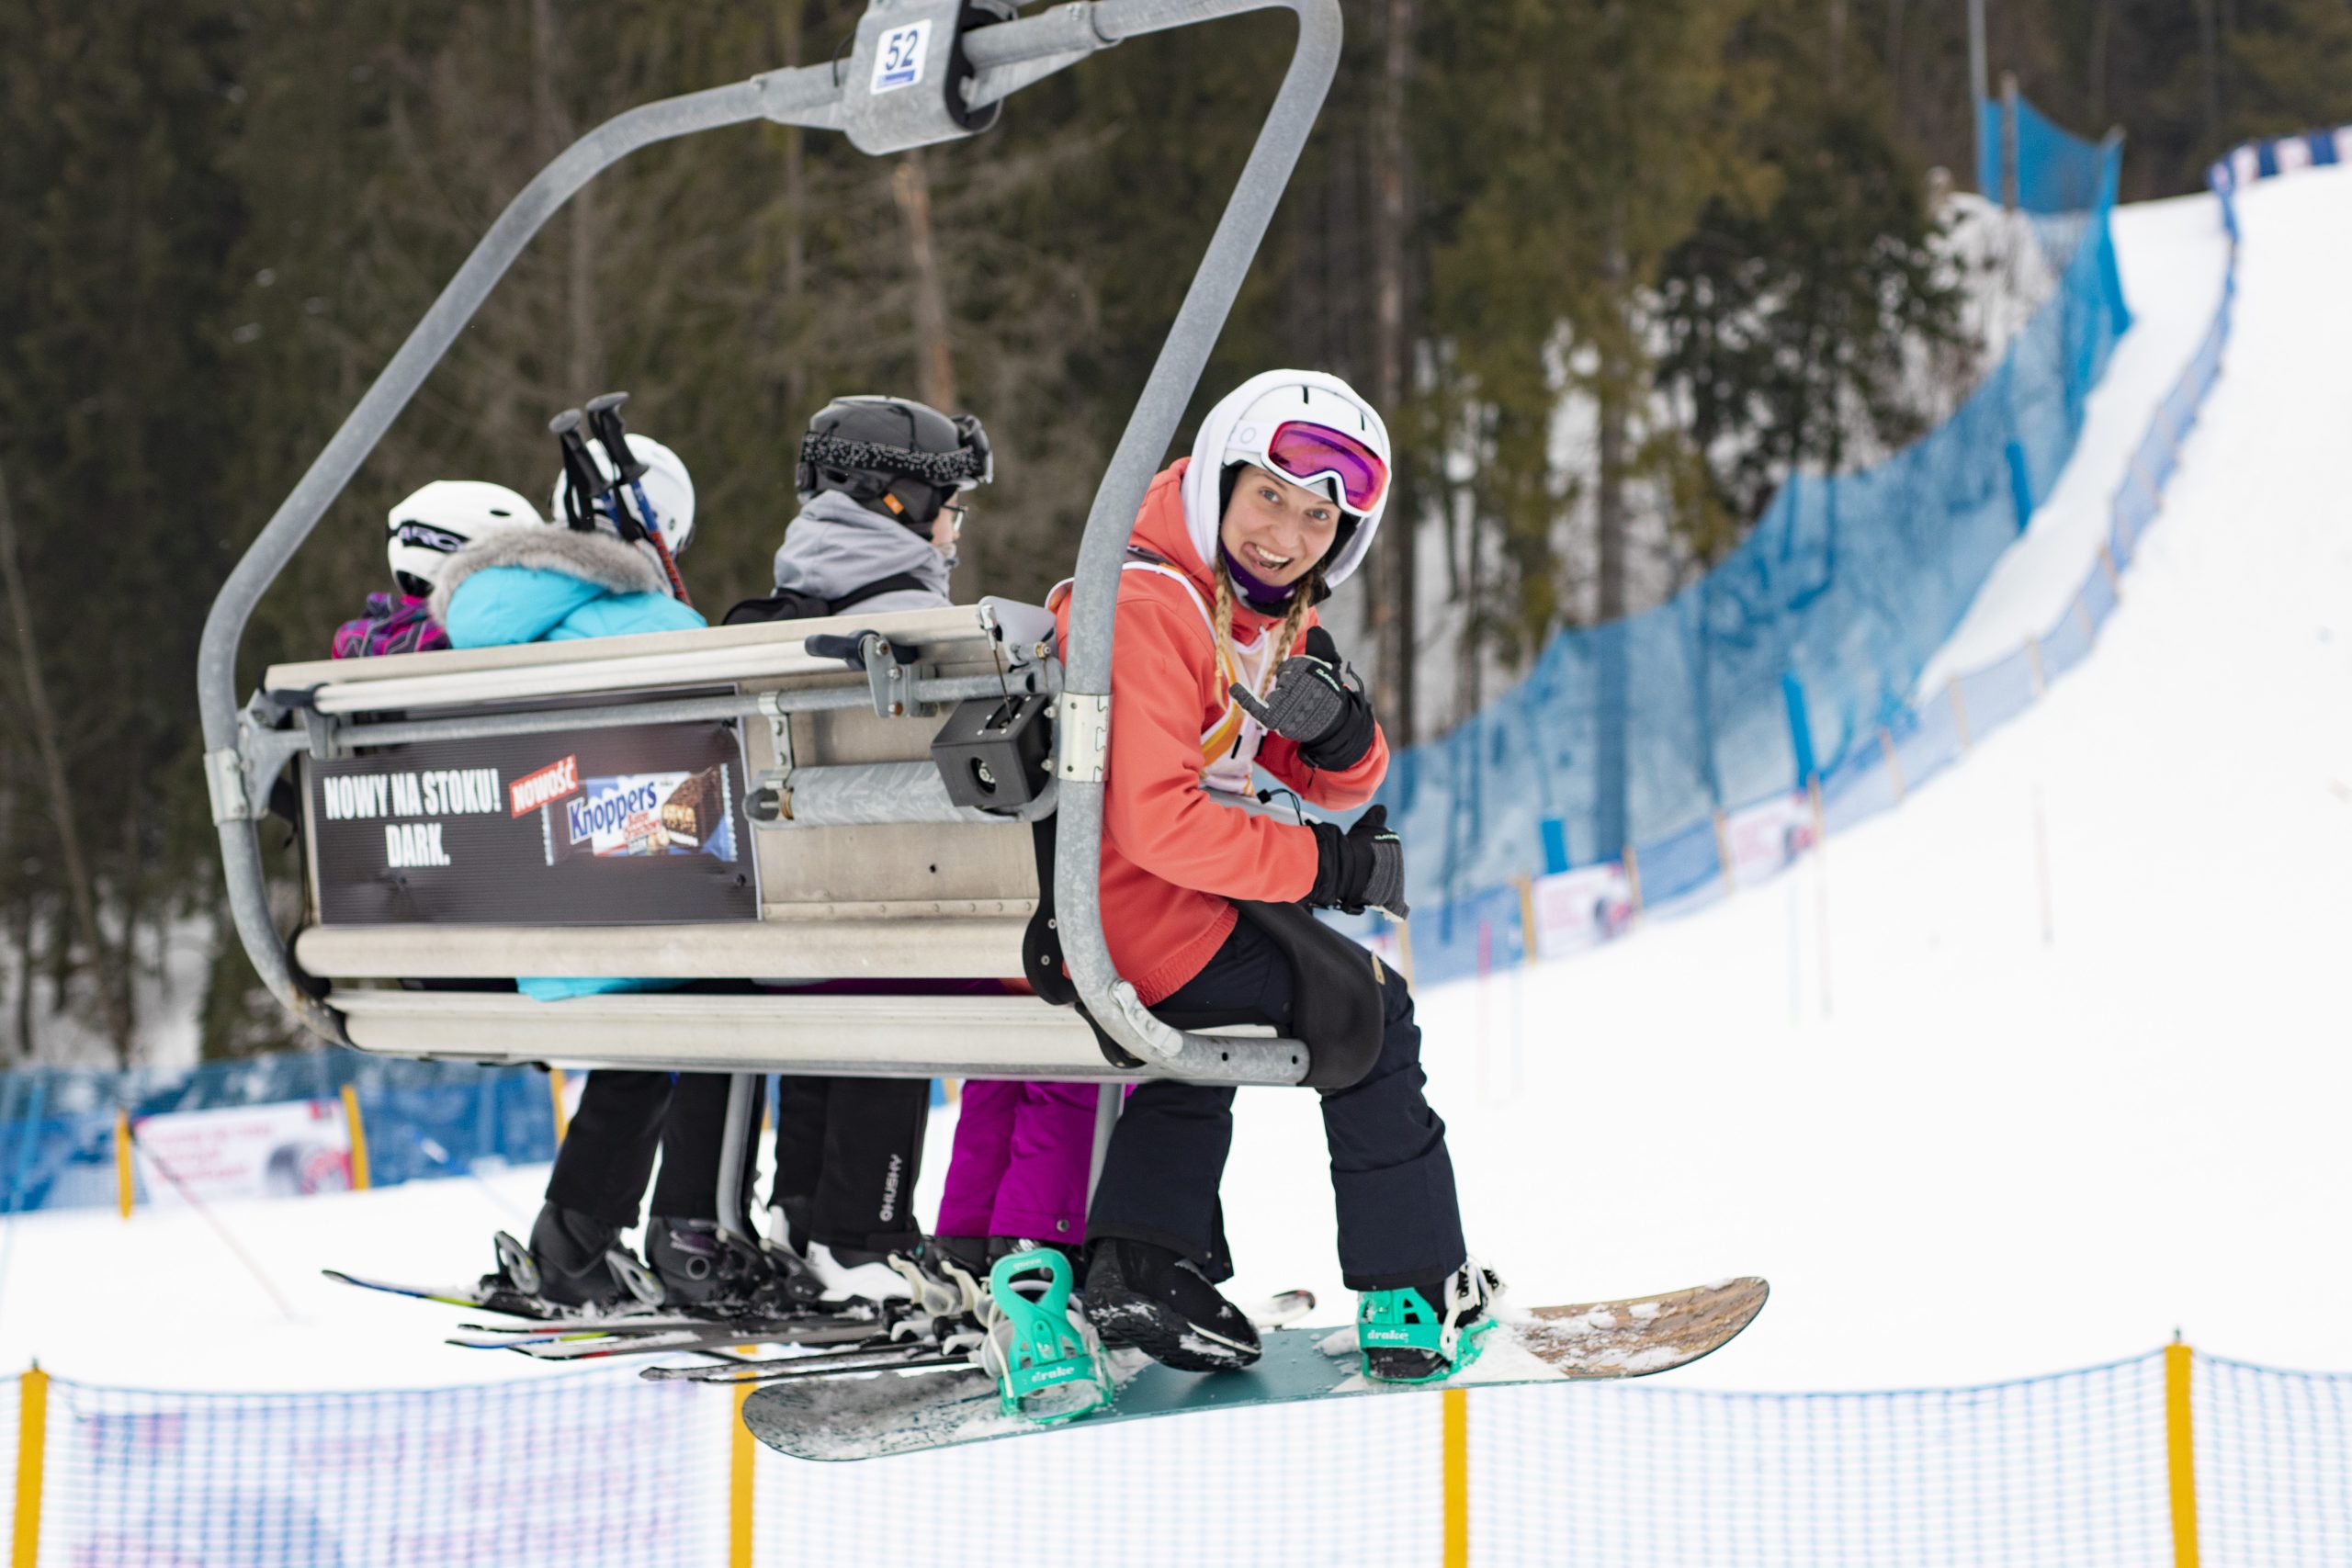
(1960, 1152)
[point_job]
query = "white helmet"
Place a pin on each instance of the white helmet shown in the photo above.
(1308, 426)
(444, 518)
(669, 490)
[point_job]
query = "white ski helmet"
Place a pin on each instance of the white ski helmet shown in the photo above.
(669, 490)
(1257, 423)
(442, 519)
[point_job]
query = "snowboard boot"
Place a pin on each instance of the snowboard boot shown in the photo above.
(706, 1270)
(1427, 1332)
(572, 1253)
(1161, 1302)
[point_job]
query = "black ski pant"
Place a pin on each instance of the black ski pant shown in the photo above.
(623, 1118)
(1391, 1177)
(607, 1155)
(848, 1151)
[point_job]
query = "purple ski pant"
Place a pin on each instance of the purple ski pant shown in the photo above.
(1019, 1168)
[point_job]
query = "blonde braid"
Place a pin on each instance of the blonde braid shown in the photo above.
(1225, 647)
(1287, 636)
(1302, 600)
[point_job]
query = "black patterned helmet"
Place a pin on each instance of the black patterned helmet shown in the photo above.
(893, 455)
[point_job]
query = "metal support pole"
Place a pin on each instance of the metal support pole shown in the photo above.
(1979, 89)
(1109, 1099)
(735, 1151)
(1085, 705)
(2010, 181)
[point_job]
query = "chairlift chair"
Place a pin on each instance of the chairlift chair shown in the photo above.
(908, 885)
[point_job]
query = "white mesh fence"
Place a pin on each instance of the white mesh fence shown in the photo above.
(604, 1468)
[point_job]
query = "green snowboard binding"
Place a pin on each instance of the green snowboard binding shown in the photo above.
(1444, 1340)
(1047, 1361)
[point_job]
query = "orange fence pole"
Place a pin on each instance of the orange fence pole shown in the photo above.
(125, 1183)
(2180, 1452)
(358, 1138)
(1457, 1478)
(32, 1434)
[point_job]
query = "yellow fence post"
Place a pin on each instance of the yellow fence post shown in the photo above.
(1457, 1477)
(1723, 851)
(738, 1488)
(555, 1093)
(1634, 879)
(1527, 919)
(32, 1429)
(125, 1183)
(358, 1138)
(2181, 1452)
(1894, 768)
(1404, 948)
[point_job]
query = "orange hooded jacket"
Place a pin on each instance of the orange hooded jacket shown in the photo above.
(1172, 858)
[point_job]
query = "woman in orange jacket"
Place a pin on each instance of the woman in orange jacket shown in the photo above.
(1219, 664)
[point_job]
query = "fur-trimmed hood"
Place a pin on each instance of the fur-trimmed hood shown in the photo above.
(595, 556)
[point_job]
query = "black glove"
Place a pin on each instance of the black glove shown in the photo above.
(1317, 701)
(1361, 869)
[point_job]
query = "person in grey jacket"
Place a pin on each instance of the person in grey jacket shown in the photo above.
(878, 481)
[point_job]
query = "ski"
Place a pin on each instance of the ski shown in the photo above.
(590, 1343)
(483, 1296)
(846, 1361)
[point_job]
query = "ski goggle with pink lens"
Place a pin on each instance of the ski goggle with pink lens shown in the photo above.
(1305, 453)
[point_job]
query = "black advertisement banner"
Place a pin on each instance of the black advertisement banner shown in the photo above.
(635, 826)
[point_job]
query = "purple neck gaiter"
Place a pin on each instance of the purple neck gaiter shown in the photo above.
(1264, 597)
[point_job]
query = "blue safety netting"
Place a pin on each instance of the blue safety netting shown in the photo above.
(421, 1119)
(1785, 661)
(2057, 172)
(1561, 910)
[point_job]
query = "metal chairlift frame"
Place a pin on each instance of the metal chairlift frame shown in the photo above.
(247, 749)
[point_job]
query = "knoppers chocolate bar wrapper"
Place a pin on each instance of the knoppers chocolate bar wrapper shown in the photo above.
(643, 813)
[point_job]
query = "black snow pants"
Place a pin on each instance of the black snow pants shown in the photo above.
(1391, 1176)
(607, 1155)
(847, 1148)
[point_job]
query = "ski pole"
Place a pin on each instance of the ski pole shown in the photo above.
(583, 486)
(430, 1148)
(604, 419)
(212, 1220)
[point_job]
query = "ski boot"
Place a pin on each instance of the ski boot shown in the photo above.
(850, 1277)
(1159, 1301)
(706, 1270)
(1044, 1355)
(576, 1260)
(1408, 1336)
(788, 1224)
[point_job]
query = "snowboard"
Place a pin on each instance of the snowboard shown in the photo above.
(868, 1414)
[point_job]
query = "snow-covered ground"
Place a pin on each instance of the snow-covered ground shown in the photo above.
(1960, 1151)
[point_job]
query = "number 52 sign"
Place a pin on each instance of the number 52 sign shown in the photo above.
(898, 61)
